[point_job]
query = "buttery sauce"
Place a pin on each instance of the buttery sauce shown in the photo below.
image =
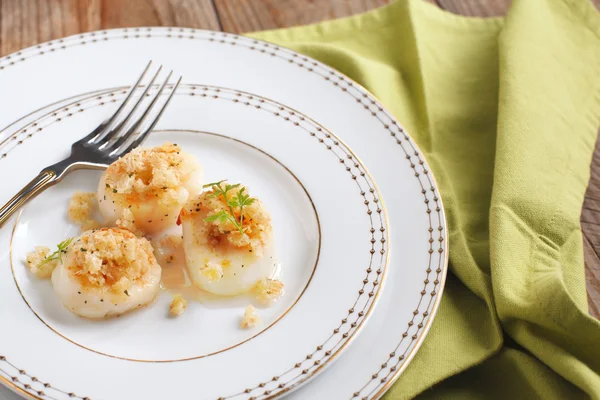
(175, 279)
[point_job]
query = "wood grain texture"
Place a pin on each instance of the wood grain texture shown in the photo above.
(476, 8)
(590, 225)
(192, 14)
(25, 23)
(481, 8)
(239, 16)
(592, 275)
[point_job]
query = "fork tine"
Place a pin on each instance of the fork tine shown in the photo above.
(140, 138)
(114, 132)
(140, 120)
(106, 123)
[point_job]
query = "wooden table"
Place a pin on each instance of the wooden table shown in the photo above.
(27, 22)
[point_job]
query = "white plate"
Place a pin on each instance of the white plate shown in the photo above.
(325, 211)
(284, 91)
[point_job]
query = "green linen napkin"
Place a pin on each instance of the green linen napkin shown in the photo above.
(507, 112)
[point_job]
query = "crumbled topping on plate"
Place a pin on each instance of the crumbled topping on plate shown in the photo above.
(178, 305)
(268, 290)
(35, 262)
(250, 318)
(81, 206)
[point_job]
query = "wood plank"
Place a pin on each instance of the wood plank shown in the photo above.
(476, 8)
(590, 225)
(188, 13)
(25, 23)
(482, 8)
(592, 276)
(240, 16)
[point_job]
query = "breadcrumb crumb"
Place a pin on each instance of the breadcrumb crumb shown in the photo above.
(250, 319)
(81, 206)
(178, 305)
(212, 271)
(35, 259)
(268, 290)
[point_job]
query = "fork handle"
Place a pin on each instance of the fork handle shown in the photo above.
(37, 184)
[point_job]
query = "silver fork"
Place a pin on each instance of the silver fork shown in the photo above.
(110, 140)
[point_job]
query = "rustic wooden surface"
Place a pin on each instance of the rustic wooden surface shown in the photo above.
(27, 22)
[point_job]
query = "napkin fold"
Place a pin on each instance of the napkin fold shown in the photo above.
(507, 111)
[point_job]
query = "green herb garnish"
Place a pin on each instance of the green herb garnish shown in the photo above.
(240, 200)
(57, 255)
(223, 216)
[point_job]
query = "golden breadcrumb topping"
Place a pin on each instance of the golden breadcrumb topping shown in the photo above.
(110, 257)
(250, 318)
(178, 305)
(127, 222)
(212, 272)
(256, 224)
(156, 173)
(35, 262)
(81, 206)
(268, 290)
